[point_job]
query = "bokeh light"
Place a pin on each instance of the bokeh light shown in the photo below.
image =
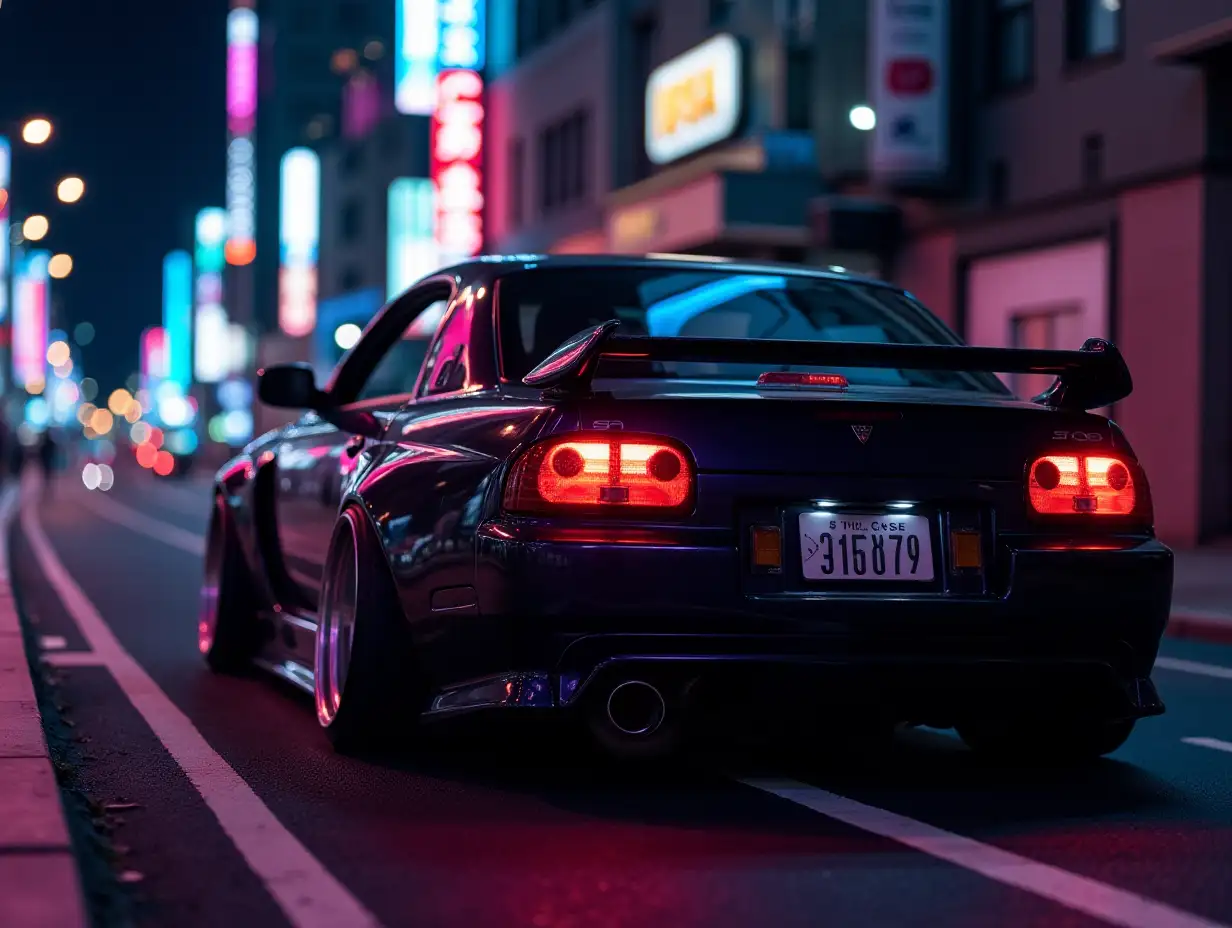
(70, 190)
(83, 334)
(58, 353)
(60, 266)
(164, 463)
(106, 477)
(63, 370)
(35, 387)
(84, 412)
(119, 401)
(139, 433)
(36, 131)
(35, 227)
(102, 421)
(91, 476)
(346, 335)
(146, 453)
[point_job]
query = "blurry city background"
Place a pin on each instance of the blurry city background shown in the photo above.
(1036, 172)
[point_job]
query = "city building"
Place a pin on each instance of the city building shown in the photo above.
(1037, 171)
(1079, 186)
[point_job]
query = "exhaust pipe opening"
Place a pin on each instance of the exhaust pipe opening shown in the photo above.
(636, 708)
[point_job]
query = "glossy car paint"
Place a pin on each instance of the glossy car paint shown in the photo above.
(490, 595)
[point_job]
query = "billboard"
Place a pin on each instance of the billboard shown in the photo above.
(299, 232)
(210, 334)
(178, 317)
(457, 164)
(241, 247)
(412, 252)
(417, 30)
(30, 316)
(695, 100)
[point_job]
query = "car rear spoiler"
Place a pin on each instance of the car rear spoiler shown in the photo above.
(1094, 376)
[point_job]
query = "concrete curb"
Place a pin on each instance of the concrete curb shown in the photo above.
(1211, 627)
(39, 883)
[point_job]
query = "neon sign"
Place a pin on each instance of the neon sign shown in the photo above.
(462, 35)
(153, 357)
(5, 162)
(241, 247)
(299, 235)
(417, 28)
(30, 321)
(210, 358)
(457, 163)
(411, 240)
(178, 316)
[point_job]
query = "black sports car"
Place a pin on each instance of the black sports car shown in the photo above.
(640, 491)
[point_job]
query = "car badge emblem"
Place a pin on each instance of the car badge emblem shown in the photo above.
(863, 432)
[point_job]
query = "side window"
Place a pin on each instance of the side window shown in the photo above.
(445, 370)
(396, 372)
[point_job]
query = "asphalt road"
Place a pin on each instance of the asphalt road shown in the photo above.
(229, 808)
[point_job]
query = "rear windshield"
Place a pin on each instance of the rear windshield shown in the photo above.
(540, 309)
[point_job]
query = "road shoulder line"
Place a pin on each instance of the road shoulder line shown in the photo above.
(39, 879)
(308, 894)
(1077, 893)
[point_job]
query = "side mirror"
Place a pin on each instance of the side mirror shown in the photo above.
(289, 386)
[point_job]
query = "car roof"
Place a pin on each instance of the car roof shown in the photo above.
(521, 262)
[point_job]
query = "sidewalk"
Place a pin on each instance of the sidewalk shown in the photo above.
(1202, 595)
(39, 883)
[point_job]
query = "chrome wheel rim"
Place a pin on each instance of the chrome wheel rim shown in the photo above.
(336, 629)
(207, 614)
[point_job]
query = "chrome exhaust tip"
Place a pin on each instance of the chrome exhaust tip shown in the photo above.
(636, 708)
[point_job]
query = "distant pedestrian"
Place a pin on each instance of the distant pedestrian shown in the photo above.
(48, 458)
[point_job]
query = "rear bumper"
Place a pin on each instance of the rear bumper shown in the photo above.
(1074, 630)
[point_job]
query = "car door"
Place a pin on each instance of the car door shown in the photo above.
(316, 458)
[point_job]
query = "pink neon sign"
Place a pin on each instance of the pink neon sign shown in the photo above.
(241, 88)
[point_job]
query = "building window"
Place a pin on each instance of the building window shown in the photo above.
(643, 64)
(998, 183)
(564, 149)
(517, 182)
(352, 220)
(799, 88)
(1093, 160)
(1093, 28)
(1013, 44)
(1037, 328)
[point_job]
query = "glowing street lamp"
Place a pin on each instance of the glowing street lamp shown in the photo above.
(35, 228)
(70, 190)
(36, 131)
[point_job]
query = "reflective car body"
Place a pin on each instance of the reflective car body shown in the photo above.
(722, 596)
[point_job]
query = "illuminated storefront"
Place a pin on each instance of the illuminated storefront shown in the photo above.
(713, 191)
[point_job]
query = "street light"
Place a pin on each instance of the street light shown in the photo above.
(70, 190)
(36, 131)
(35, 227)
(60, 266)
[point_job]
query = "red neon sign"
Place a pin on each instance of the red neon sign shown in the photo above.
(457, 162)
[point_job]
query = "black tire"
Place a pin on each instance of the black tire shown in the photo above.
(1056, 741)
(227, 631)
(377, 704)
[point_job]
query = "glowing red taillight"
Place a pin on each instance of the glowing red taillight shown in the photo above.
(804, 379)
(1082, 484)
(574, 472)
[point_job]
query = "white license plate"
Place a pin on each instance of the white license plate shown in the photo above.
(866, 546)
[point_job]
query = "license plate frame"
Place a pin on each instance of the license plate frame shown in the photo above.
(841, 541)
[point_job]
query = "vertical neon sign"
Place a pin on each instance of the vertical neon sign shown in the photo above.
(457, 131)
(30, 321)
(178, 317)
(299, 234)
(5, 178)
(241, 245)
(417, 28)
(153, 358)
(411, 237)
(210, 335)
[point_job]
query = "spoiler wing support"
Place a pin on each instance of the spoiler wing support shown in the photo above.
(1094, 376)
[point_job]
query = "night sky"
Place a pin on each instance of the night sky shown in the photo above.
(136, 90)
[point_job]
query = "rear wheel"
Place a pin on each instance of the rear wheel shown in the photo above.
(368, 695)
(227, 616)
(1066, 741)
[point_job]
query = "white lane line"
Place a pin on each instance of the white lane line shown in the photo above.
(1080, 893)
(1205, 670)
(74, 659)
(1213, 743)
(53, 643)
(123, 515)
(307, 893)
